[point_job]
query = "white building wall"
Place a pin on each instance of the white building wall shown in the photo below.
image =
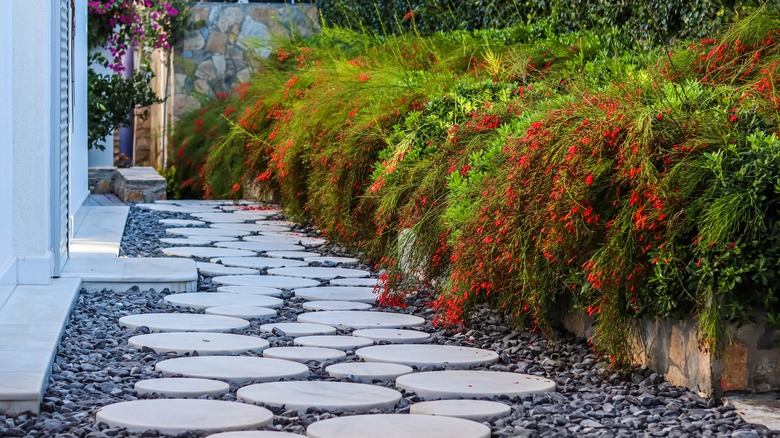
(79, 186)
(7, 260)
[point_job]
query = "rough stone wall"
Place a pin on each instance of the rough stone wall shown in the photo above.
(224, 39)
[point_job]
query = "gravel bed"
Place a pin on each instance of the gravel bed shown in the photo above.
(95, 366)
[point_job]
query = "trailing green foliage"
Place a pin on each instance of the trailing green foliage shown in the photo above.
(522, 168)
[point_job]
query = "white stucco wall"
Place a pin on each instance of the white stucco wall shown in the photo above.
(7, 267)
(79, 186)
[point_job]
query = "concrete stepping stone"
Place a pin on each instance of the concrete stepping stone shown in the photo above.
(204, 343)
(394, 336)
(183, 322)
(251, 290)
(344, 343)
(296, 329)
(194, 202)
(182, 387)
(332, 259)
(217, 217)
(238, 311)
(476, 410)
(203, 300)
(360, 282)
(336, 305)
(337, 293)
(265, 281)
(319, 272)
(422, 355)
(176, 208)
(357, 319)
(212, 269)
(396, 426)
(282, 223)
(206, 252)
(184, 241)
(304, 354)
(181, 222)
(252, 228)
(175, 416)
(233, 369)
(206, 232)
(299, 255)
(260, 262)
(256, 434)
(286, 238)
(259, 246)
(329, 396)
(368, 372)
(473, 384)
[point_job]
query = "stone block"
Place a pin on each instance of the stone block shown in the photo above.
(677, 349)
(217, 42)
(193, 40)
(100, 179)
(139, 184)
(229, 17)
(736, 372)
(207, 70)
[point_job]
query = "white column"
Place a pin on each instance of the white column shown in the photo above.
(79, 187)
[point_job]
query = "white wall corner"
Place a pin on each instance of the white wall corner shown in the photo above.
(34, 270)
(8, 273)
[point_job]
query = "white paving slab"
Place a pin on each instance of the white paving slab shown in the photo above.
(287, 238)
(175, 416)
(319, 272)
(203, 343)
(336, 305)
(298, 255)
(203, 300)
(206, 252)
(337, 293)
(217, 269)
(265, 281)
(260, 262)
(122, 273)
(476, 410)
(219, 217)
(396, 426)
(394, 336)
(251, 290)
(238, 311)
(360, 282)
(423, 355)
(357, 319)
(473, 384)
(330, 396)
(304, 354)
(181, 222)
(296, 329)
(252, 228)
(256, 434)
(182, 387)
(335, 342)
(183, 322)
(332, 259)
(368, 372)
(233, 369)
(206, 232)
(260, 246)
(185, 241)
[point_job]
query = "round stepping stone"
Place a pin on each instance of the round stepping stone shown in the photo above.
(184, 241)
(248, 312)
(206, 252)
(285, 238)
(394, 336)
(252, 228)
(336, 305)
(256, 434)
(217, 269)
(361, 282)
(396, 426)
(296, 329)
(182, 387)
(203, 300)
(183, 322)
(476, 410)
(175, 208)
(428, 355)
(233, 369)
(219, 217)
(332, 259)
(473, 384)
(251, 290)
(319, 272)
(181, 222)
(368, 372)
(330, 396)
(344, 343)
(203, 343)
(360, 320)
(259, 246)
(291, 254)
(304, 354)
(337, 293)
(282, 223)
(206, 232)
(190, 202)
(175, 416)
(260, 262)
(265, 281)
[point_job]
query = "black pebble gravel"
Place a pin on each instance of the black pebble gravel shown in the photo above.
(95, 367)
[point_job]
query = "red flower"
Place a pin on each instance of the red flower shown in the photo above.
(589, 179)
(364, 77)
(733, 118)
(409, 15)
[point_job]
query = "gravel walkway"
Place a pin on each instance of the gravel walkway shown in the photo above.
(95, 366)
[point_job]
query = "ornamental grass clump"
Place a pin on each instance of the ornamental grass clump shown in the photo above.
(522, 169)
